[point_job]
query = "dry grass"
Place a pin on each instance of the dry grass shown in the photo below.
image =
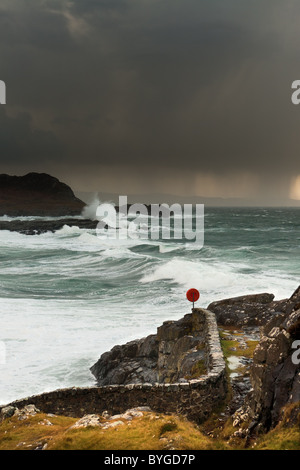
(31, 433)
(286, 435)
(149, 432)
(152, 431)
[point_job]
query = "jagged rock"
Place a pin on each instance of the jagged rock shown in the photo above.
(113, 421)
(168, 356)
(26, 412)
(247, 310)
(87, 420)
(7, 412)
(37, 194)
(179, 349)
(293, 302)
(275, 377)
(133, 362)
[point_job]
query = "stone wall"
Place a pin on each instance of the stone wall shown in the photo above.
(178, 352)
(195, 398)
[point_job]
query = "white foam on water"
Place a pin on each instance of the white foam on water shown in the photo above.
(52, 343)
(220, 280)
(7, 218)
(52, 337)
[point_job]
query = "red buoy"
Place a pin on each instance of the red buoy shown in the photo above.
(192, 295)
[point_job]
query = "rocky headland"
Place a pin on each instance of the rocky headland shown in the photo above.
(37, 194)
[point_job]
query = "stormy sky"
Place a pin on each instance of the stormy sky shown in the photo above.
(187, 97)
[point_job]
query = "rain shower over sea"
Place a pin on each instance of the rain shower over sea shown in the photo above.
(67, 297)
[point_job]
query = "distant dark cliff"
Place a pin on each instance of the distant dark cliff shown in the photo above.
(37, 194)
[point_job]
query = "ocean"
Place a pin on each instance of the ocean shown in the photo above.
(68, 296)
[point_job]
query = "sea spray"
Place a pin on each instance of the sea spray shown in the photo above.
(89, 211)
(67, 297)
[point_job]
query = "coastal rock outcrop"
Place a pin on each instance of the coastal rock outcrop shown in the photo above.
(38, 226)
(37, 194)
(175, 354)
(275, 372)
(133, 362)
(247, 310)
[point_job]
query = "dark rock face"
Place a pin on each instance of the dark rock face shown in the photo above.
(172, 355)
(134, 362)
(275, 371)
(247, 310)
(275, 375)
(37, 194)
(181, 345)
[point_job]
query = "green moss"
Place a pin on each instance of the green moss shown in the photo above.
(197, 370)
(168, 427)
(232, 347)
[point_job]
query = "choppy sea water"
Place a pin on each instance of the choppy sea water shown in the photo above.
(67, 297)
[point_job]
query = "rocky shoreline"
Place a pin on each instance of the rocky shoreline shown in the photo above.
(156, 370)
(38, 226)
(180, 344)
(253, 397)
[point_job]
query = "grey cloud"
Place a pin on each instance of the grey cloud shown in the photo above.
(191, 83)
(20, 142)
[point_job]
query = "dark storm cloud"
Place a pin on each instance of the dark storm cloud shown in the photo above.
(193, 83)
(20, 142)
